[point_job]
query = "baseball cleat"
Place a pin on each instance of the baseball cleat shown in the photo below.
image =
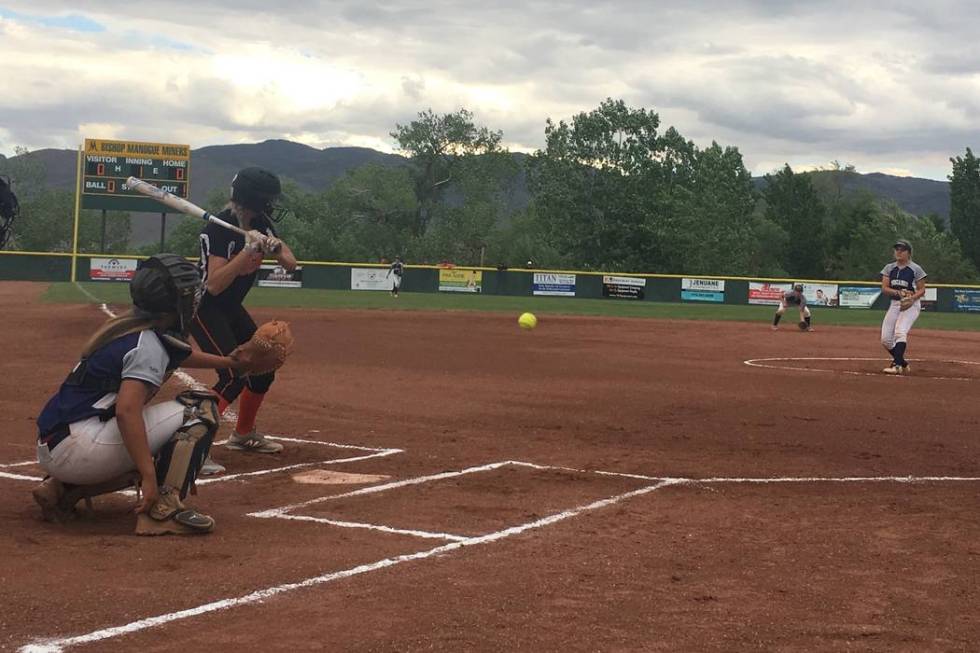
(774, 327)
(169, 516)
(254, 442)
(210, 468)
(49, 495)
(894, 370)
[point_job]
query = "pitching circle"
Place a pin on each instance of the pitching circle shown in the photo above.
(812, 365)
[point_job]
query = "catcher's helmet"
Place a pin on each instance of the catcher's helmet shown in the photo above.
(259, 190)
(798, 287)
(903, 244)
(167, 284)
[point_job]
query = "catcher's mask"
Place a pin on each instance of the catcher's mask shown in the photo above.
(167, 284)
(259, 190)
(903, 244)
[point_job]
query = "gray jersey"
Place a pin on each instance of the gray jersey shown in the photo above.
(147, 361)
(903, 278)
(791, 298)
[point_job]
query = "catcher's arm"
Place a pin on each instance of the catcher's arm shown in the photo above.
(202, 360)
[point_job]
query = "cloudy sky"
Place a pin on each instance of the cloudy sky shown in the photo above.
(887, 86)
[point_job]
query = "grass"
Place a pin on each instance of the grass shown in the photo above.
(118, 293)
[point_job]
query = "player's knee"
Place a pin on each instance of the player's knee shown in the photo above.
(887, 343)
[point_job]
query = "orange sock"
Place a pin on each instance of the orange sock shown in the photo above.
(248, 408)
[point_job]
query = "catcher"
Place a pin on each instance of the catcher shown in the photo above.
(229, 264)
(793, 297)
(904, 282)
(98, 434)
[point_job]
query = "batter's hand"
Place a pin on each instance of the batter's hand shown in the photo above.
(272, 245)
(255, 240)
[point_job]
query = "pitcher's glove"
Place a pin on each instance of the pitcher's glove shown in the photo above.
(266, 351)
(906, 300)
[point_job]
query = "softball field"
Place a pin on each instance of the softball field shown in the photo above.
(453, 483)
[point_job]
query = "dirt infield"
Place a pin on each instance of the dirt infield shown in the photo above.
(593, 485)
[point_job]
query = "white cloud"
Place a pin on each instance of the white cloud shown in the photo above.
(892, 86)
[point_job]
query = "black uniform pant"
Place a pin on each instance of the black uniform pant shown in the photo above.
(218, 330)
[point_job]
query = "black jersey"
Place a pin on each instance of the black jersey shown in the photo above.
(218, 241)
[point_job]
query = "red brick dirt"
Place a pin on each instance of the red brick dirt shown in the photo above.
(812, 561)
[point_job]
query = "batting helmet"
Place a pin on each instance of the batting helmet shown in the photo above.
(167, 284)
(259, 190)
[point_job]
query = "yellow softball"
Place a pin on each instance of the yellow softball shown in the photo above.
(527, 321)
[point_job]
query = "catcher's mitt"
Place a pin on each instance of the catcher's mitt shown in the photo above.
(906, 300)
(266, 351)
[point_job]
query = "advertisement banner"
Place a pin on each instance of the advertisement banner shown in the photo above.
(460, 280)
(554, 285)
(623, 287)
(820, 294)
(276, 276)
(966, 300)
(112, 269)
(703, 290)
(857, 296)
(767, 293)
(370, 279)
(929, 300)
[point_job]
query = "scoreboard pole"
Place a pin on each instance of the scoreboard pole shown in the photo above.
(78, 205)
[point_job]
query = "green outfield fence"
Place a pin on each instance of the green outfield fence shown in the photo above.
(57, 267)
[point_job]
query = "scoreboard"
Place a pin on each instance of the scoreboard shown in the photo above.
(107, 164)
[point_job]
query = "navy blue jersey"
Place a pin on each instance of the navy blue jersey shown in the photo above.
(903, 278)
(225, 243)
(139, 355)
(398, 268)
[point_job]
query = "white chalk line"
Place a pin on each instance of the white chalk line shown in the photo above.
(374, 527)
(276, 512)
(274, 470)
(20, 477)
(760, 362)
(57, 645)
(23, 464)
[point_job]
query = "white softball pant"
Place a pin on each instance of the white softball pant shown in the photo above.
(783, 306)
(94, 452)
(897, 323)
(396, 282)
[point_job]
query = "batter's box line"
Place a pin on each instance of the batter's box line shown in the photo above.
(51, 645)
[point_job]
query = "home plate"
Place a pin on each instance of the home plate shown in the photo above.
(327, 477)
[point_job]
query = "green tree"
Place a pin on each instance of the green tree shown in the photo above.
(938, 252)
(793, 204)
(437, 145)
(603, 187)
(714, 209)
(964, 196)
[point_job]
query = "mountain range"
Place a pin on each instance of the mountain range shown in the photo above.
(316, 169)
